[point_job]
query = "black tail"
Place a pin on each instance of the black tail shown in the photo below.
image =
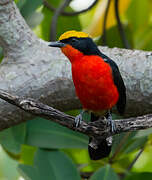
(103, 149)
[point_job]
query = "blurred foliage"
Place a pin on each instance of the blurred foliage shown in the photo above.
(50, 164)
(11, 139)
(45, 134)
(95, 25)
(105, 173)
(8, 167)
(44, 28)
(46, 150)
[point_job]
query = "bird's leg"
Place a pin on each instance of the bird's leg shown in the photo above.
(79, 118)
(111, 122)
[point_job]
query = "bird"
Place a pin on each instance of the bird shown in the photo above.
(97, 80)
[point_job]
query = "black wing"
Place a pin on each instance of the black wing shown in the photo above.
(121, 104)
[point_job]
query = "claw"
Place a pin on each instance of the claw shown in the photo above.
(78, 120)
(111, 123)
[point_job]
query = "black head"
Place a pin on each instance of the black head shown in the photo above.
(84, 45)
(78, 40)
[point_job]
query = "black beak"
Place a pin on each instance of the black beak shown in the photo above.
(56, 44)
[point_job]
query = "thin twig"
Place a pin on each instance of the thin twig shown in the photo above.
(64, 13)
(55, 18)
(104, 23)
(135, 159)
(120, 27)
(133, 162)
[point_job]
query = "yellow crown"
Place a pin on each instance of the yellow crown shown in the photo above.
(73, 33)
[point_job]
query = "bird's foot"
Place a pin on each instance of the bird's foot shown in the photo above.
(111, 123)
(78, 120)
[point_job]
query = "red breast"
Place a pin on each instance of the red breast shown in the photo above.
(93, 80)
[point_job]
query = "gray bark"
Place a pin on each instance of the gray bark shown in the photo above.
(98, 130)
(31, 69)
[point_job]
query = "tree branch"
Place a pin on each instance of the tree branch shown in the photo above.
(99, 129)
(120, 27)
(32, 69)
(104, 24)
(55, 18)
(49, 6)
(135, 159)
(132, 163)
(15, 35)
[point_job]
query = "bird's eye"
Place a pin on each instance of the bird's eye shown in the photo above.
(74, 40)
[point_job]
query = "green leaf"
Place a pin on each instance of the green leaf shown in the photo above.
(127, 143)
(20, 3)
(105, 173)
(49, 165)
(143, 133)
(121, 142)
(8, 167)
(138, 20)
(136, 144)
(12, 139)
(28, 172)
(79, 156)
(139, 176)
(113, 38)
(46, 134)
(34, 19)
(64, 23)
(29, 6)
(28, 10)
(27, 154)
(140, 23)
(143, 39)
